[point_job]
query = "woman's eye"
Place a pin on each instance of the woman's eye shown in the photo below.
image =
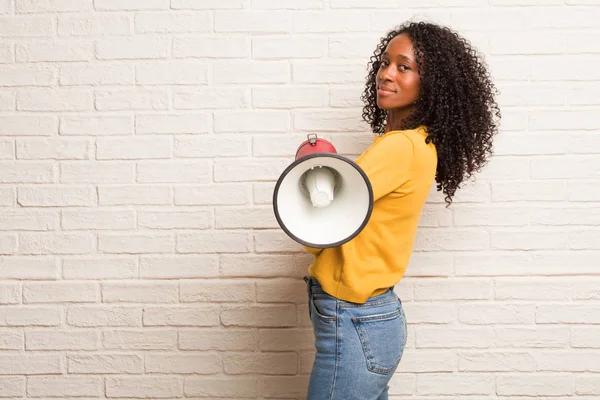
(403, 68)
(384, 64)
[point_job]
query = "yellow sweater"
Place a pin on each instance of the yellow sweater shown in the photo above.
(401, 168)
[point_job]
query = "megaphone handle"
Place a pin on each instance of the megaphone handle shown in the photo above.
(312, 138)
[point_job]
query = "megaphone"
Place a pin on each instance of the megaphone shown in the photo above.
(322, 199)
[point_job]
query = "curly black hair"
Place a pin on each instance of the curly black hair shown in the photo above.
(456, 102)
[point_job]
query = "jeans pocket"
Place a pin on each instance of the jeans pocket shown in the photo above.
(383, 337)
(324, 307)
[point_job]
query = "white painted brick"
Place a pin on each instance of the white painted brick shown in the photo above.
(139, 47)
(207, 4)
(532, 289)
(12, 386)
(252, 21)
(355, 47)
(8, 100)
(439, 239)
(60, 292)
(496, 362)
(568, 314)
(266, 316)
(42, 6)
(211, 146)
(26, 172)
(285, 47)
(104, 172)
(217, 291)
(171, 73)
(584, 143)
(560, 361)
(197, 363)
(10, 293)
(26, 26)
(179, 266)
(7, 53)
(265, 364)
(455, 289)
(142, 292)
(345, 96)
(425, 361)
(586, 290)
(99, 268)
(52, 149)
(481, 314)
(261, 266)
(227, 72)
(326, 21)
(534, 191)
(58, 50)
(587, 384)
(218, 339)
(457, 383)
(289, 96)
(536, 384)
(132, 99)
(528, 240)
(584, 240)
(6, 6)
(29, 220)
(8, 244)
(274, 241)
(218, 194)
(530, 94)
(182, 316)
(583, 191)
(131, 4)
(169, 124)
(173, 22)
(489, 19)
(252, 121)
(29, 364)
(104, 316)
(249, 169)
(430, 264)
(133, 148)
(61, 340)
(287, 4)
(105, 364)
(528, 43)
(96, 220)
(199, 219)
(151, 387)
(30, 316)
(91, 25)
(281, 291)
(94, 125)
(134, 195)
(284, 145)
(566, 216)
(55, 196)
(330, 121)
(175, 171)
(567, 120)
(245, 218)
(585, 337)
(491, 216)
(7, 196)
(11, 339)
(262, 193)
(519, 144)
(148, 339)
(214, 242)
(284, 386)
(327, 72)
(286, 339)
(136, 243)
(582, 70)
(90, 74)
(212, 46)
(54, 100)
(445, 337)
(56, 243)
(211, 97)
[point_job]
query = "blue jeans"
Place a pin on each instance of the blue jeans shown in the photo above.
(358, 346)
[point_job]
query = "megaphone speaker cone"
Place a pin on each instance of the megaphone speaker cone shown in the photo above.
(323, 200)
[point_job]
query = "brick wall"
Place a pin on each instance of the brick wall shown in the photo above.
(140, 141)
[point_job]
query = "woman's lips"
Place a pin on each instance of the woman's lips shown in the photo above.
(383, 91)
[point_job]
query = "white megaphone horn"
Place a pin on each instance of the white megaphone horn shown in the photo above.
(322, 199)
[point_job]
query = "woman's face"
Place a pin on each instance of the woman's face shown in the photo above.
(398, 83)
